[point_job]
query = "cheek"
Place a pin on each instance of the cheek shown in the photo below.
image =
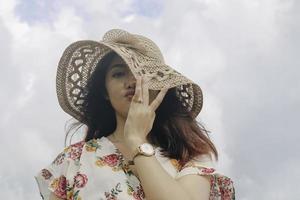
(114, 91)
(110, 88)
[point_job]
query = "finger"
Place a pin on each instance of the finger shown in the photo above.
(137, 92)
(157, 101)
(141, 88)
(145, 91)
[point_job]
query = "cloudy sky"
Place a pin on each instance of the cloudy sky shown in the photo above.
(243, 53)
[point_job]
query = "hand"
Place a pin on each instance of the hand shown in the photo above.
(141, 116)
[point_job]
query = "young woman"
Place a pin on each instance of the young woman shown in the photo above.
(142, 139)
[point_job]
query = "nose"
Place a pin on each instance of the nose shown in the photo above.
(131, 81)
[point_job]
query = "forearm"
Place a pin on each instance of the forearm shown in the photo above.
(156, 182)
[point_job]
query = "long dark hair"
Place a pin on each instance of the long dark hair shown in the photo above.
(179, 135)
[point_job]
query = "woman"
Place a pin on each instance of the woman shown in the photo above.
(142, 139)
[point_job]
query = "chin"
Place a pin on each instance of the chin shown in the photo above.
(123, 109)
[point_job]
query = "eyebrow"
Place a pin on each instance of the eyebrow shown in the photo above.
(117, 65)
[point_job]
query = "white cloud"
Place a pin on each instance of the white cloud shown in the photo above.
(65, 18)
(244, 55)
(28, 91)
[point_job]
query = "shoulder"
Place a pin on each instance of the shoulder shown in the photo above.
(72, 152)
(201, 173)
(200, 165)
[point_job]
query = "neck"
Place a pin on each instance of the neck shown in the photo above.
(118, 134)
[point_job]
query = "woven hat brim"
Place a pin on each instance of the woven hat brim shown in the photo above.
(80, 59)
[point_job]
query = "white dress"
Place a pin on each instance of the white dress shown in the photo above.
(94, 170)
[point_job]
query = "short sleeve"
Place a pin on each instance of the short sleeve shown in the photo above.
(222, 187)
(202, 165)
(53, 178)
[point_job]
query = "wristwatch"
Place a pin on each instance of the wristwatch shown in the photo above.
(144, 149)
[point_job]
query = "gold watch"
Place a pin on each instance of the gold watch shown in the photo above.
(145, 149)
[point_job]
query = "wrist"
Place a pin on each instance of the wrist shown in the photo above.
(144, 149)
(133, 143)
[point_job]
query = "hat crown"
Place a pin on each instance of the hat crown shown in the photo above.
(137, 42)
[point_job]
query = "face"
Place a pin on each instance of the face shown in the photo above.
(118, 80)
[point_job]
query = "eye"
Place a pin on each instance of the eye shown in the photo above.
(117, 74)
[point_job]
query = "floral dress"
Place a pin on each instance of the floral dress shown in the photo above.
(94, 170)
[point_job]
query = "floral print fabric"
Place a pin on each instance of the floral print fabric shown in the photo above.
(95, 170)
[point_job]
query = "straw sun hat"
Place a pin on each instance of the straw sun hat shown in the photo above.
(143, 58)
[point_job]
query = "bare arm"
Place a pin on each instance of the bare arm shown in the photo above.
(159, 185)
(54, 197)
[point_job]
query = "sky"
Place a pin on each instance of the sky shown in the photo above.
(244, 54)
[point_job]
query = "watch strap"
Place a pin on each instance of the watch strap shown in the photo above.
(131, 162)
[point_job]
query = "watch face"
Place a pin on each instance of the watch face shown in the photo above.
(147, 148)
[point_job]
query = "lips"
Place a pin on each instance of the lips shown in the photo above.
(129, 93)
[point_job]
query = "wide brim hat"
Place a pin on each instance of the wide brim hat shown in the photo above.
(143, 58)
